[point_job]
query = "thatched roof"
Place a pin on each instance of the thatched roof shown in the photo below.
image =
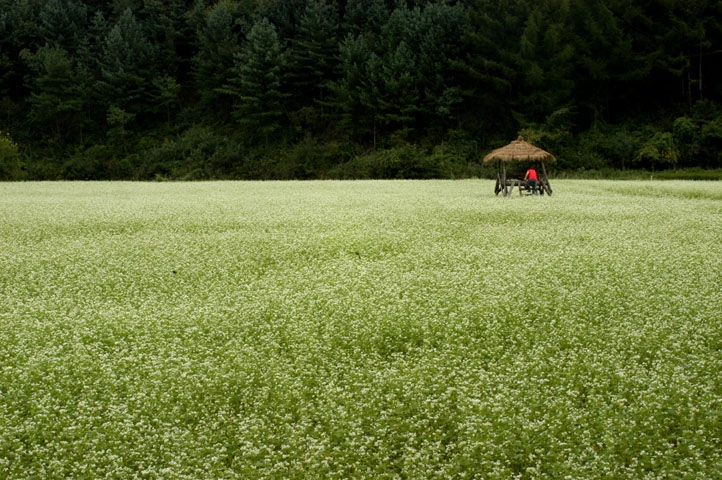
(519, 150)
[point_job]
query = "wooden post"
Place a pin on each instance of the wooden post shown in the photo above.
(546, 179)
(503, 178)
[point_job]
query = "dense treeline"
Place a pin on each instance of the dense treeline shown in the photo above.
(357, 88)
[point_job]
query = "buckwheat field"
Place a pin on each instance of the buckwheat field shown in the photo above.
(391, 330)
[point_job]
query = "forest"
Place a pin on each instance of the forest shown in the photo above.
(314, 89)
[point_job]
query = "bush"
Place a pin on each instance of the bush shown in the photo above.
(308, 159)
(405, 161)
(602, 148)
(10, 166)
(197, 154)
(659, 150)
(98, 162)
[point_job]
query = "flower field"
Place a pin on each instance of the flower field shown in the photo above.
(401, 329)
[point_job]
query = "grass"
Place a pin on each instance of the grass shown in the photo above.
(360, 330)
(694, 173)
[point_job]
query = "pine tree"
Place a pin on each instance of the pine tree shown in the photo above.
(365, 17)
(546, 61)
(399, 93)
(217, 39)
(6, 64)
(488, 65)
(19, 31)
(598, 59)
(314, 52)
(63, 23)
(57, 86)
(442, 28)
(128, 66)
(89, 56)
(164, 27)
(256, 82)
(348, 90)
(432, 38)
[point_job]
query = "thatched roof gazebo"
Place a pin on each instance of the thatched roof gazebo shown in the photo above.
(519, 151)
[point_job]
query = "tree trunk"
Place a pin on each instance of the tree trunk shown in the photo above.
(701, 97)
(689, 87)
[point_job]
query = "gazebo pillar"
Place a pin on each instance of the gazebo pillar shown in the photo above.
(503, 177)
(546, 184)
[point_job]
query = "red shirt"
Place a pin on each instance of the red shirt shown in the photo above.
(531, 174)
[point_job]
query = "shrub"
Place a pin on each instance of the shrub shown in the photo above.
(196, 154)
(404, 161)
(659, 150)
(308, 159)
(10, 166)
(99, 162)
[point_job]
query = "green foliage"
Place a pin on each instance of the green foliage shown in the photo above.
(352, 89)
(309, 159)
(198, 154)
(315, 48)
(217, 41)
(365, 17)
(255, 86)
(699, 137)
(10, 166)
(119, 122)
(545, 60)
(554, 134)
(167, 97)
(98, 162)
(129, 64)
(403, 161)
(57, 89)
(659, 150)
(592, 82)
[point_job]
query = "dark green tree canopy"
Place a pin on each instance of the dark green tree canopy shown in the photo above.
(108, 87)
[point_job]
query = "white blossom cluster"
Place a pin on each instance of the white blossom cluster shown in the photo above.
(390, 330)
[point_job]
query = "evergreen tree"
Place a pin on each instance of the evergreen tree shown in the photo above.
(365, 17)
(398, 92)
(217, 39)
(19, 30)
(164, 26)
(314, 52)
(89, 57)
(487, 65)
(435, 33)
(598, 60)
(348, 90)
(57, 87)
(545, 59)
(694, 35)
(442, 28)
(648, 52)
(256, 82)
(128, 66)
(284, 15)
(63, 23)
(601, 76)
(6, 71)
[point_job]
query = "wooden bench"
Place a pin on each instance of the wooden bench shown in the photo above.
(520, 184)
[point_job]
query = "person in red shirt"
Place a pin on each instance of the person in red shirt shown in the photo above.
(531, 179)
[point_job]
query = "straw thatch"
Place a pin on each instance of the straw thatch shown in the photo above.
(519, 150)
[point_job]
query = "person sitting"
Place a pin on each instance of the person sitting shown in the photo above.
(531, 180)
